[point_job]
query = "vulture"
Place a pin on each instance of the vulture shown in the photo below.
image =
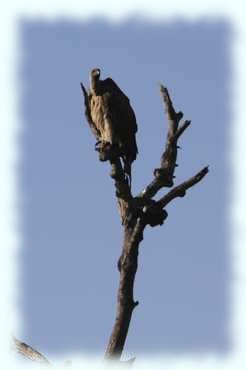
(111, 118)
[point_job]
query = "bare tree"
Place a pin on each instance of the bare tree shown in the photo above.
(136, 213)
(139, 211)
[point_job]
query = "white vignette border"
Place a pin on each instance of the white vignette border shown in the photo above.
(190, 10)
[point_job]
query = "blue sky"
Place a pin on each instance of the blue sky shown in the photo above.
(71, 233)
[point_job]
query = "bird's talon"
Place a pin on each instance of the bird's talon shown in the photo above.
(98, 143)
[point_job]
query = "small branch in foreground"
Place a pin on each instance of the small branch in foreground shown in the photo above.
(29, 352)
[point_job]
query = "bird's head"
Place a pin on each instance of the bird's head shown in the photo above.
(95, 74)
(95, 81)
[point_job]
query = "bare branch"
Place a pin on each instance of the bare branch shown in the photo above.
(180, 190)
(29, 352)
(172, 116)
(165, 174)
(181, 129)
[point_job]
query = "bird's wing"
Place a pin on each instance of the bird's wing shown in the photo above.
(87, 98)
(117, 98)
(112, 87)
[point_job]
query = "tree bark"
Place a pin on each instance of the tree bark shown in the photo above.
(127, 265)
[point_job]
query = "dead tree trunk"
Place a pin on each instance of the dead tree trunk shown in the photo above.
(127, 265)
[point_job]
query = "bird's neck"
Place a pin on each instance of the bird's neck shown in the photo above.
(95, 86)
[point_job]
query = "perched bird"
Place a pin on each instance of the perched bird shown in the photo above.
(111, 117)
